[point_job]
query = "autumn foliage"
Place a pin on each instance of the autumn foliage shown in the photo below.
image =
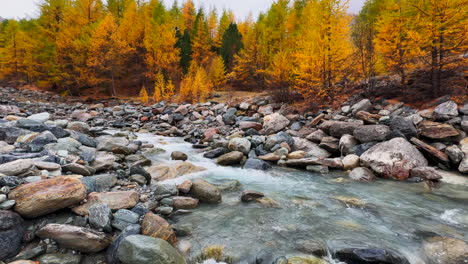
(186, 53)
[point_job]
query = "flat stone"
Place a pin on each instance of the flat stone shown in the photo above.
(47, 196)
(186, 203)
(148, 250)
(16, 167)
(434, 130)
(75, 238)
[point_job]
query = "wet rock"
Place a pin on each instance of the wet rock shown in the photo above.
(432, 153)
(185, 186)
(112, 250)
(75, 238)
(186, 203)
(371, 133)
(172, 171)
(59, 258)
(155, 226)
(256, 164)
(362, 174)
(215, 153)
(427, 173)
(318, 169)
(240, 144)
(311, 247)
(177, 155)
(100, 216)
(47, 196)
(274, 123)
(16, 167)
(138, 249)
(302, 163)
(350, 162)
(162, 189)
(205, 192)
(369, 255)
(249, 195)
(446, 250)
(115, 201)
(404, 126)
(11, 233)
(434, 130)
(393, 159)
(338, 129)
(231, 158)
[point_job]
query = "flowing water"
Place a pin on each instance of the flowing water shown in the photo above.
(309, 206)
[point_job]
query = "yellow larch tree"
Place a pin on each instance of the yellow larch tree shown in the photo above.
(143, 95)
(217, 72)
(322, 49)
(107, 55)
(196, 86)
(441, 34)
(393, 41)
(188, 14)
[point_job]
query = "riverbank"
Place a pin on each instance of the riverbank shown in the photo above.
(116, 181)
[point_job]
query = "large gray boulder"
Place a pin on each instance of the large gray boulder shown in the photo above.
(240, 144)
(311, 148)
(393, 159)
(231, 158)
(138, 249)
(274, 123)
(449, 108)
(40, 117)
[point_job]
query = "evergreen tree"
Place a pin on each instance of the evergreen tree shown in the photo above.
(232, 44)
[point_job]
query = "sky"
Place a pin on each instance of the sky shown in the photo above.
(241, 8)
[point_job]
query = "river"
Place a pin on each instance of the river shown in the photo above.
(329, 209)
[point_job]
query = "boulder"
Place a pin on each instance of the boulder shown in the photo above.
(249, 195)
(404, 126)
(16, 167)
(115, 201)
(47, 196)
(426, 173)
(363, 105)
(393, 159)
(38, 143)
(172, 171)
(231, 158)
(256, 164)
(100, 216)
(311, 148)
(138, 249)
(362, 174)
(338, 129)
(215, 153)
(274, 123)
(11, 134)
(40, 117)
(454, 153)
(185, 203)
(205, 192)
(446, 250)
(350, 162)
(347, 143)
(434, 130)
(103, 161)
(240, 144)
(123, 218)
(178, 155)
(155, 226)
(12, 229)
(449, 108)
(75, 237)
(112, 250)
(371, 133)
(281, 137)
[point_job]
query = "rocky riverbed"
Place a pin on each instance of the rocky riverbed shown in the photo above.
(101, 182)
